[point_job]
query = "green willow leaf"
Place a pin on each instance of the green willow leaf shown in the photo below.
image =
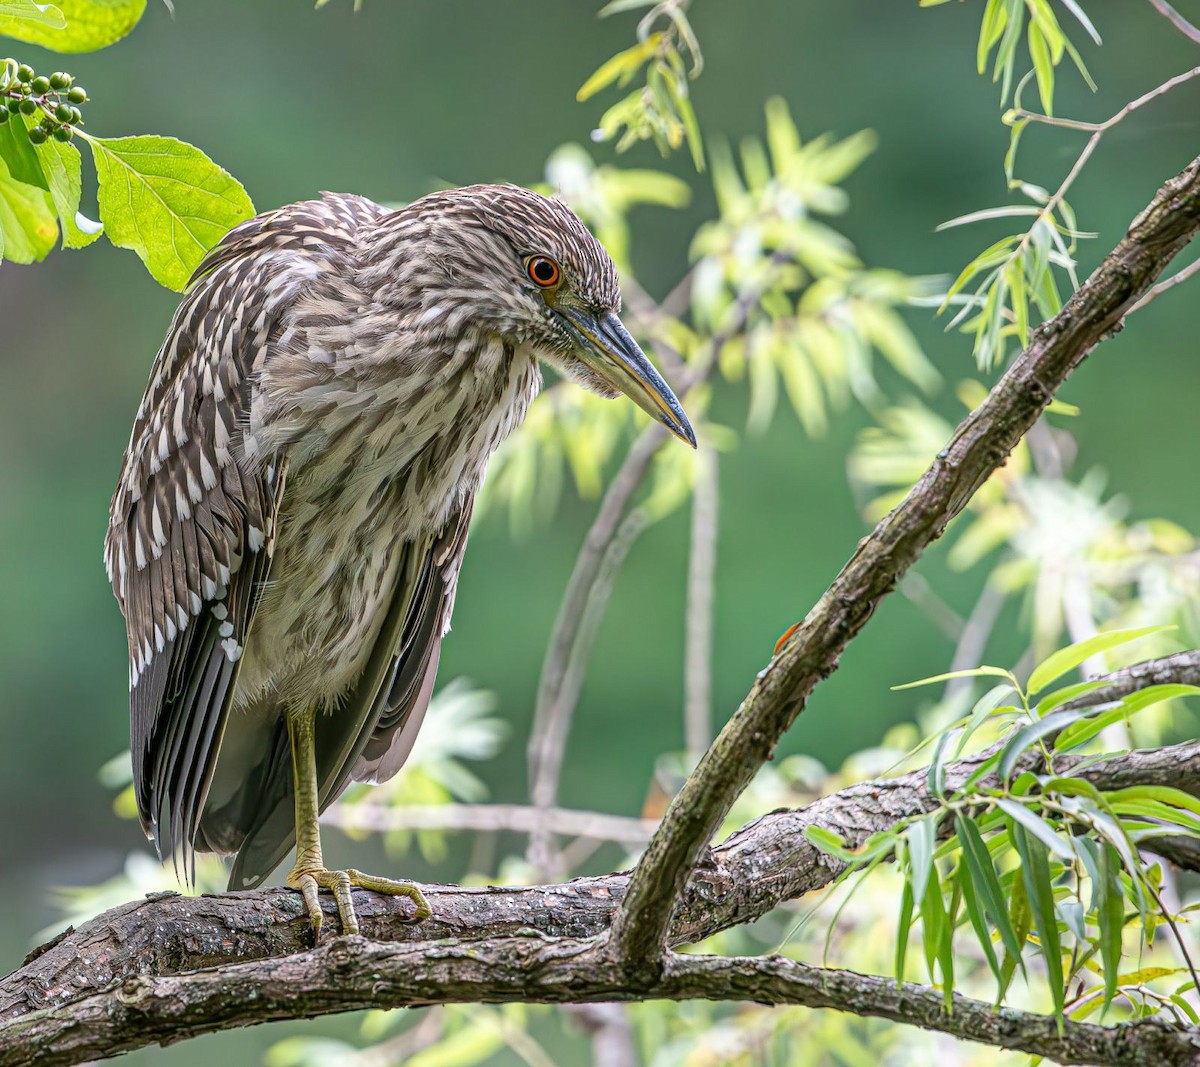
(1110, 909)
(1057, 664)
(167, 201)
(89, 25)
(28, 228)
(1035, 870)
(975, 915)
(982, 873)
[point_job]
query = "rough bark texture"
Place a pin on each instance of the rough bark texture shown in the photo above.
(155, 970)
(170, 968)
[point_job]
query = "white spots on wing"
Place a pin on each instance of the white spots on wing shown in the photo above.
(254, 538)
(194, 603)
(220, 612)
(225, 629)
(194, 491)
(208, 476)
(232, 649)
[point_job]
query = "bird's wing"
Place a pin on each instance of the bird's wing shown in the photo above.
(371, 733)
(191, 528)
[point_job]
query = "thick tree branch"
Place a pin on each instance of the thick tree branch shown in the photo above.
(53, 1009)
(353, 973)
(980, 445)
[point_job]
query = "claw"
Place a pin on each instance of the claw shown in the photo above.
(339, 883)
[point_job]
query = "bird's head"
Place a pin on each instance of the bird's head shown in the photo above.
(526, 267)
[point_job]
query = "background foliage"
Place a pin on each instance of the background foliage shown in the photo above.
(400, 98)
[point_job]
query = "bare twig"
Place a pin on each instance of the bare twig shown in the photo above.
(702, 565)
(972, 642)
(1176, 19)
(556, 722)
(979, 446)
(1179, 276)
(491, 818)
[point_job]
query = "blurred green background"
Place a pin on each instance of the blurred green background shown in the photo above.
(410, 94)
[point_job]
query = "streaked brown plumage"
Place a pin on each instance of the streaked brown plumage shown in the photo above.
(287, 531)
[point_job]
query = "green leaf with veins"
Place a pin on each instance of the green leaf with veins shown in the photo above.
(19, 17)
(90, 25)
(61, 165)
(167, 201)
(19, 155)
(28, 228)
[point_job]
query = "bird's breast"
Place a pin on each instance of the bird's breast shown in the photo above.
(372, 463)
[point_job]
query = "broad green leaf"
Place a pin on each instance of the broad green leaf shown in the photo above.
(20, 156)
(90, 25)
(17, 17)
(1043, 67)
(28, 228)
(1065, 659)
(167, 201)
(61, 165)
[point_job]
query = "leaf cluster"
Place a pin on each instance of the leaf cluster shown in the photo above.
(161, 197)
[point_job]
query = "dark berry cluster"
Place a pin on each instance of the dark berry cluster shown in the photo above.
(55, 98)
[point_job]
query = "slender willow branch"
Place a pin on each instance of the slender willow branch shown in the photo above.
(980, 445)
(702, 566)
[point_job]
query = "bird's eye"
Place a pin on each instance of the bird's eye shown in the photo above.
(543, 271)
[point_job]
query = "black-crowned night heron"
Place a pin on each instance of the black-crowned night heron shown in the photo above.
(287, 532)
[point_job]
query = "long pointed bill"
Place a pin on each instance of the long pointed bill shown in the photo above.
(606, 347)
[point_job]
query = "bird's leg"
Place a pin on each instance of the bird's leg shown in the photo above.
(309, 874)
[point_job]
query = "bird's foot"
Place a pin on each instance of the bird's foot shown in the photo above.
(339, 883)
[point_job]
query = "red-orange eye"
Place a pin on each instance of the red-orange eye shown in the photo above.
(543, 271)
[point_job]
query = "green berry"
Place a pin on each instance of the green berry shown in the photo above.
(77, 94)
(13, 105)
(37, 135)
(25, 73)
(64, 113)
(60, 80)
(27, 106)
(76, 115)
(64, 134)
(3, 115)
(40, 85)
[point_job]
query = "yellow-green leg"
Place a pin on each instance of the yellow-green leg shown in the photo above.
(309, 874)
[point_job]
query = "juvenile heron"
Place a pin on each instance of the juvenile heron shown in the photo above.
(287, 532)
